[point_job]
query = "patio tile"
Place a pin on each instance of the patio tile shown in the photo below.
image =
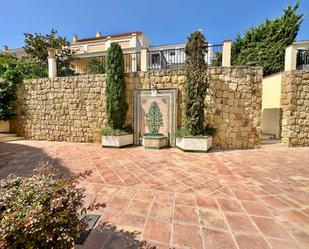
(156, 230)
(131, 223)
(211, 218)
(162, 211)
(217, 239)
(240, 223)
(206, 202)
(138, 207)
(255, 208)
(251, 241)
(185, 214)
(117, 204)
(270, 228)
(185, 199)
(282, 244)
(230, 206)
(187, 236)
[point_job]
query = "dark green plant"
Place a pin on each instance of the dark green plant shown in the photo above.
(96, 66)
(116, 105)
(10, 76)
(265, 45)
(196, 83)
(154, 118)
(36, 46)
(108, 131)
(209, 130)
(42, 211)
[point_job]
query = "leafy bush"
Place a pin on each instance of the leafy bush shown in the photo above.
(41, 211)
(10, 77)
(108, 131)
(36, 46)
(96, 66)
(209, 130)
(116, 106)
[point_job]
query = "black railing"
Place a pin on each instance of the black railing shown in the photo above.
(96, 65)
(132, 62)
(175, 58)
(214, 55)
(166, 59)
(302, 59)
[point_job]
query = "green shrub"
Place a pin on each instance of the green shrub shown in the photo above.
(41, 211)
(209, 130)
(108, 131)
(116, 106)
(95, 66)
(10, 76)
(196, 83)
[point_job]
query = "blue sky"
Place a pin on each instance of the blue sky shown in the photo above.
(164, 22)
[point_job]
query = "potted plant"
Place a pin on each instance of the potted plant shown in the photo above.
(154, 121)
(116, 134)
(195, 135)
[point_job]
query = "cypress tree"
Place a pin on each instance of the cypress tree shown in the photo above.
(116, 105)
(196, 83)
(265, 45)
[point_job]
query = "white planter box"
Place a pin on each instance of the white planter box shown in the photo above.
(198, 143)
(117, 141)
(154, 142)
(4, 126)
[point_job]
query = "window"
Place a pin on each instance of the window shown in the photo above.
(155, 58)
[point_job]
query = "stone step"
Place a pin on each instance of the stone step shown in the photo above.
(8, 137)
(266, 136)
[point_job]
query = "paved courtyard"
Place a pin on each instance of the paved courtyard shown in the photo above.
(231, 199)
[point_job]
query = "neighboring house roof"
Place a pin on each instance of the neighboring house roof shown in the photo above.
(16, 52)
(106, 36)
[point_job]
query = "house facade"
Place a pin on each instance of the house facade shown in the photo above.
(135, 45)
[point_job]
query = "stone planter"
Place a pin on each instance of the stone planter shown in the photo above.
(154, 142)
(194, 144)
(117, 141)
(4, 126)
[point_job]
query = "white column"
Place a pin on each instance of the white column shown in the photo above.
(227, 53)
(144, 59)
(52, 63)
(290, 58)
(108, 42)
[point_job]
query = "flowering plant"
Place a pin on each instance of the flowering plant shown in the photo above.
(42, 211)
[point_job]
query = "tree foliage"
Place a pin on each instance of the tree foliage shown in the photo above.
(36, 46)
(12, 73)
(196, 83)
(116, 105)
(265, 45)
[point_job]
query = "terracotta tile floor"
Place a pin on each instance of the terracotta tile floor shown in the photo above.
(230, 199)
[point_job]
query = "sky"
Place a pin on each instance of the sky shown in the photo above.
(163, 21)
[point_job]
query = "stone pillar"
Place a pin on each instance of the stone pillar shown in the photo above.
(144, 59)
(52, 64)
(226, 53)
(290, 58)
(108, 42)
(133, 40)
(74, 39)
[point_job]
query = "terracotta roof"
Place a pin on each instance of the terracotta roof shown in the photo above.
(105, 36)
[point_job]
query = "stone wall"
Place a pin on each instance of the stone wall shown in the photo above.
(295, 108)
(73, 108)
(62, 109)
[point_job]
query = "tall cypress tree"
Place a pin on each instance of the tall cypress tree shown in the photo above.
(196, 83)
(116, 105)
(265, 45)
